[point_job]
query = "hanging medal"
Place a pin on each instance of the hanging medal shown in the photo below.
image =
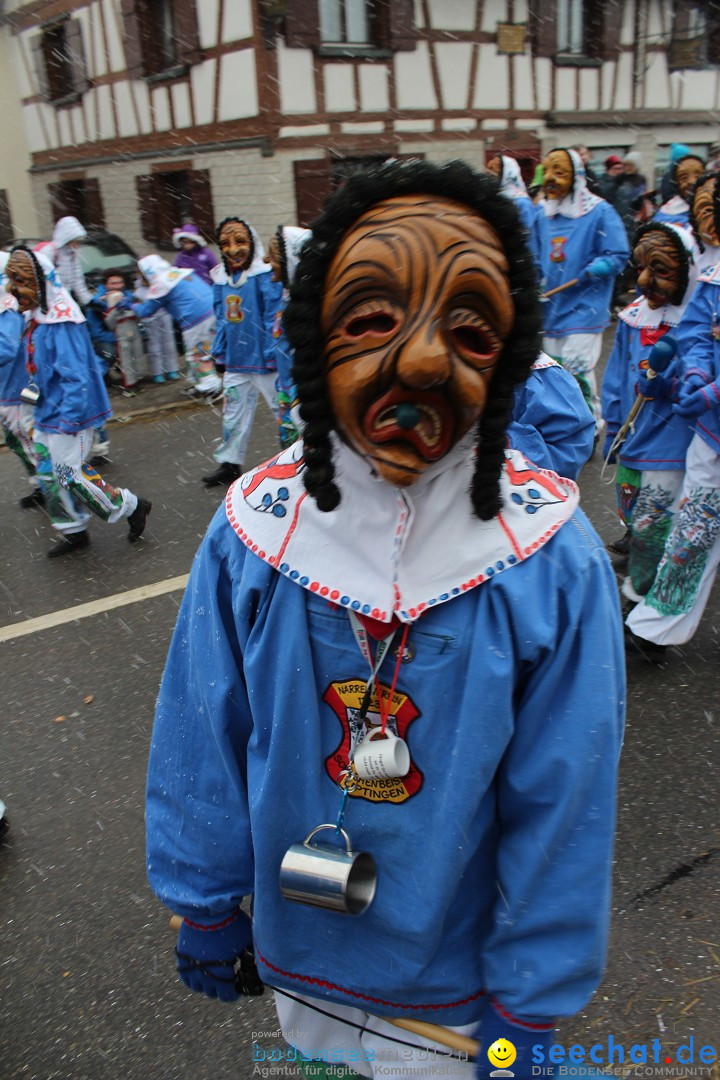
(380, 754)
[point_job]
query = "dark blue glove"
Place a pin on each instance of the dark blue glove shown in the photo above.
(207, 953)
(660, 386)
(531, 1041)
(601, 267)
(694, 402)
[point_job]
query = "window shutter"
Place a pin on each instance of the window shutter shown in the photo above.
(313, 185)
(93, 204)
(202, 202)
(76, 55)
(133, 41)
(58, 203)
(43, 82)
(302, 24)
(401, 25)
(542, 17)
(186, 32)
(147, 199)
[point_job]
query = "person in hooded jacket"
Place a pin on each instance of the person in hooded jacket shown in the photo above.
(282, 258)
(71, 403)
(513, 187)
(686, 171)
(586, 247)
(246, 298)
(67, 234)
(194, 253)
(16, 414)
(189, 300)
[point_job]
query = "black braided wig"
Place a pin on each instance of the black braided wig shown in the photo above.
(282, 249)
(39, 275)
(684, 254)
(361, 191)
(701, 180)
(239, 221)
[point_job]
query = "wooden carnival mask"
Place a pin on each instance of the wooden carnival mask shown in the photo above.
(558, 175)
(687, 172)
(236, 246)
(659, 269)
(23, 281)
(416, 311)
(703, 206)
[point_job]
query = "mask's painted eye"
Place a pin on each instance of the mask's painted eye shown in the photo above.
(472, 341)
(375, 322)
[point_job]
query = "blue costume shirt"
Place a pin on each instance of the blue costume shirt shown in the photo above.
(13, 376)
(245, 312)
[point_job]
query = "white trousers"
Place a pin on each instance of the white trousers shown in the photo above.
(241, 391)
(579, 354)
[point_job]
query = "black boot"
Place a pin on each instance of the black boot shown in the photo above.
(649, 650)
(70, 542)
(35, 498)
(224, 474)
(138, 519)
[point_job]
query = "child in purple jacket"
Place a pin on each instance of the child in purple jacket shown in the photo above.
(194, 254)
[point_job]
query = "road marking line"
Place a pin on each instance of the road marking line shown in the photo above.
(93, 607)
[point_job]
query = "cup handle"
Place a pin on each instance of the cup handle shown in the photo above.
(319, 828)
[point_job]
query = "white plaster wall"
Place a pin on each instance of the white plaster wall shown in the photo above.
(237, 20)
(95, 47)
(520, 12)
(607, 82)
(127, 123)
(202, 82)
(627, 30)
(181, 104)
(452, 14)
(374, 95)
(339, 88)
(297, 88)
(141, 94)
(34, 129)
(657, 90)
(413, 79)
(238, 85)
(655, 21)
(543, 82)
(18, 59)
(453, 61)
(589, 84)
(419, 15)
(207, 15)
(700, 89)
(113, 29)
(522, 67)
(623, 98)
(64, 129)
(564, 89)
(160, 108)
(493, 12)
(15, 158)
(88, 106)
(491, 80)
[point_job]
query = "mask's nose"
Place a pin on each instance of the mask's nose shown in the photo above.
(424, 361)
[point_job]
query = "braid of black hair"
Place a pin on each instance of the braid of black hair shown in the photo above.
(684, 255)
(701, 180)
(238, 221)
(39, 273)
(480, 193)
(282, 249)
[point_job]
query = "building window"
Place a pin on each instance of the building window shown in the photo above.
(60, 61)
(350, 27)
(78, 198)
(344, 22)
(695, 41)
(575, 32)
(161, 37)
(167, 199)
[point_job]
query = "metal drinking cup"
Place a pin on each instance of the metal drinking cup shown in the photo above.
(325, 876)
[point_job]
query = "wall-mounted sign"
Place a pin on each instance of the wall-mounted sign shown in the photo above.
(511, 38)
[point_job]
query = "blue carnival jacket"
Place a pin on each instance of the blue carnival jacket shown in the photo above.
(659, 438)
(551, 422)
(534, 220)
(699, 337)
(189, 302)
(72, 392)
(278, 351)
(13, 376)
(571, 245)
(94, 313)
(245, 314)
(515, 694)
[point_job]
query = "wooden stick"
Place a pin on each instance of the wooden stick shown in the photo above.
(432, 1032)
(559, 288)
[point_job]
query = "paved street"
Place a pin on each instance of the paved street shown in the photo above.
(87, 983)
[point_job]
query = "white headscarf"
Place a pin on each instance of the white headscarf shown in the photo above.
(579, 200)
(293, 240)
(161, 276)
(67, 229)
(511, 182)
(639, 314)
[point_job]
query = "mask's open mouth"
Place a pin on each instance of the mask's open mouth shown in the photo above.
(425, 421)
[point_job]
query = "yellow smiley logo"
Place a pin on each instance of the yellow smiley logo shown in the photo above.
(502, 1053)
